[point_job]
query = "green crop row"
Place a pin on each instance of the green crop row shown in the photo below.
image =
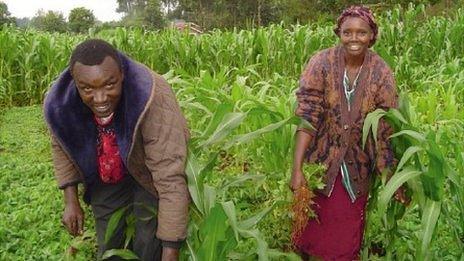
(236, 88)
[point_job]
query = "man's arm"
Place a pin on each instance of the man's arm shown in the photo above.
(165, 136)
(68, 177)
(66, 173)
(73, 216)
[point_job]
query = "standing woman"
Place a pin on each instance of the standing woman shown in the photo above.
(338, 88)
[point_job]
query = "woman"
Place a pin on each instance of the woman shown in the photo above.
(338, 88)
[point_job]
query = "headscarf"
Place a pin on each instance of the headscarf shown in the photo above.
(362, 12)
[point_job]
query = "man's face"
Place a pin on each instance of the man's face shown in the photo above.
(99, 86)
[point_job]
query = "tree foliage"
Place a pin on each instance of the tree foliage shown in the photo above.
(5, 16)
(81, 19)
(142, 13)
(245, 13)
(50, 21)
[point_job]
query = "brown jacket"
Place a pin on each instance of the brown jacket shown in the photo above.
(156, 156)
(338, 134)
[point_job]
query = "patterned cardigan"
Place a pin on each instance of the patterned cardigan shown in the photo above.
(338, 132)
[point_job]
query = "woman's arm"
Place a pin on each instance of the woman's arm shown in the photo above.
(302, 142)
(310, 97)
(386, 99)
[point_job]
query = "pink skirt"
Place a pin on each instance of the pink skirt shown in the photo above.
(337, 232)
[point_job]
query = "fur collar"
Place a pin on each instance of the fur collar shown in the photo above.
(71, 121)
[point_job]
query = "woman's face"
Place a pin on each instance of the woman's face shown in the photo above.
(355, 36)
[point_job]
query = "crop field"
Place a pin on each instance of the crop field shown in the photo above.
(237, 90)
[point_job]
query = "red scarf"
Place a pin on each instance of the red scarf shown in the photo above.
(110, 167)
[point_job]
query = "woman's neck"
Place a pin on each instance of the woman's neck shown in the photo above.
(352, 61)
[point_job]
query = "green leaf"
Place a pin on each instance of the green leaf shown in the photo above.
(262, 246)
(371, 123)
(407, 155)
(195, 185)
(114, 222)
(227, 125)
(197, 105)
(430, 216)
(192, 252)
(253, 221)
(433, 179)
(305, 124)
(130, 229)
(397, 114)
(414, 134)
(237, 92)
(212, 232)
(393, 184)
(226, 247)
(229, 209)
(278, 255)
(244, 138)
(375, 125)
(209, 198)
(221, 110)
(210, 163)
(237, 181)
(125, 254)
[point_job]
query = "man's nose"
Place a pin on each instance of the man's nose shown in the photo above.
(99, 97)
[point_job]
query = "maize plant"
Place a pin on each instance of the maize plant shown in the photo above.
(236, 89)
(425, 166)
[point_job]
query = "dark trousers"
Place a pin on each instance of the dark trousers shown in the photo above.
(108, 198)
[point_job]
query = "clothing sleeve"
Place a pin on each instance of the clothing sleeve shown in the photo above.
(165, 136)
(65, 172)
(385, 99)
(310, 95)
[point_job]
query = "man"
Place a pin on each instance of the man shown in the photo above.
(116, 127)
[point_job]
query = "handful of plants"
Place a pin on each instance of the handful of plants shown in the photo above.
(303, 199)
(301, 209)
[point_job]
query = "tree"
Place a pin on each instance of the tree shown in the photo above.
(132, 8)
(81, 19)
(23, 22)
(50, 21)
(142, 12)
(153, 15)
(5, 16)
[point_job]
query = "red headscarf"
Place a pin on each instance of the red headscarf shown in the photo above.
(362, 12)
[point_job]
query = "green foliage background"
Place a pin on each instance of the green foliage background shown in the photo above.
(252, 74)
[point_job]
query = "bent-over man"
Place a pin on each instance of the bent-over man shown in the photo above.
(116, 127)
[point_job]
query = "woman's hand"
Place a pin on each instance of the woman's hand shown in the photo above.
(297, 180)
(400, 196)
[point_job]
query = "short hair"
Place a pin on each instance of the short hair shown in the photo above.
(93, 52)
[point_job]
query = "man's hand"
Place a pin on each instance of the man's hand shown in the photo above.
(297, 180)
(73, 219)
(73, 216)
(170, 254)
